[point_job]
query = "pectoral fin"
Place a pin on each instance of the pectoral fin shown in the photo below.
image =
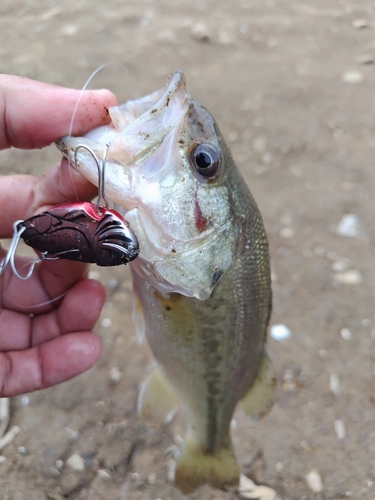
(258, 400)
(138, 318)
(156, 399)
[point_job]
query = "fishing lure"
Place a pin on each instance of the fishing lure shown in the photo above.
(79, 231)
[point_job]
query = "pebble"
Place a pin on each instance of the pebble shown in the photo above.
(279, 467)
(104, 474)
(360, 23)
(94, 275)
(349, 278)
(340, 265)
(9, 436)
(352, 77)
(113, 283)
(106, 322)
(259, 144)
(171, 470)
(68, 30)
(2, 459)
(334, 384)
(25, 400)
(70, 433)
(339, 427)
(280, 332)
(248, 489)
(22, 450)
(346, 334)
(151, 478)
(76, 462)
(314, 481)
(59, 464)
(287, 232)
(115, 375)
(200, 32)
(365, 59)
(349, 226)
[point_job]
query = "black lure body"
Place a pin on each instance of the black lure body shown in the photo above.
(81, 231)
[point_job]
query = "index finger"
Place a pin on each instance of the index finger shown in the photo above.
(35, 114)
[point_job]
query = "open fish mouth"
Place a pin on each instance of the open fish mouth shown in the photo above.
(183, 223)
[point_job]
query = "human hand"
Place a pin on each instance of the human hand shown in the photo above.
(45, 322)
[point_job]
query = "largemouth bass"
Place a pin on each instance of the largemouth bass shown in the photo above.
(202, 279)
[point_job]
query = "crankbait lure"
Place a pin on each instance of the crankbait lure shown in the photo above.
(79, 231)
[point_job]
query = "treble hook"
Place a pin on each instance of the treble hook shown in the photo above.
(18, 229)
(101, 173)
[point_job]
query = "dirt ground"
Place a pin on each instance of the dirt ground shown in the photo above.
(291, 84)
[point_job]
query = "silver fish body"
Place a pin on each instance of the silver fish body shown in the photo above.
(202, 278)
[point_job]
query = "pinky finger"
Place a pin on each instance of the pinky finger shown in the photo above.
(48, 364)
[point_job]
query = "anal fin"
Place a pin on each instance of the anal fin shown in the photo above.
(258, 399)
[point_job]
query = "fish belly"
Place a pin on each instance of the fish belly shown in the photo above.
(210, 352)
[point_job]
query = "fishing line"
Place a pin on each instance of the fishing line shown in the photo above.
(80, 97)
(32, 306)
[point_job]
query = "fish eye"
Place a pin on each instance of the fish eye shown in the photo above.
(206, 160)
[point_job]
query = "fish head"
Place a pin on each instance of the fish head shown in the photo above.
(172, 177)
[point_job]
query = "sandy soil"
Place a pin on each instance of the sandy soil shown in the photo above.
(291, 84)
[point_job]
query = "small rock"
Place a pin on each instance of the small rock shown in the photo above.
(248, 489)
(25, 400)
(104, 474)
(346, 334)
(167, 36)
(259, 144)
(113, 283)
(68, 30)
(22, 450)
(76, 462)
(59, 464)
(106, 322)
(2, 459)
(9, 436)
(314, 481)
(53, 472)
(341, 265)
(279, 467)
(243, 28)
(287, 232)
(171, 470)
(339, 427)
(352, 77)
(70, 433)
(349, 278)
(200, 32)
(359, 24)
(115, 375)
(280, 332)
(94, 275)
(334, 384)
(151, 479)
(365, 59)
(349, 226)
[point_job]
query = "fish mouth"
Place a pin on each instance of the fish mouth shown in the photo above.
(143, 124)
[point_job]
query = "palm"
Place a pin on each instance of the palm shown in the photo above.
(45, 341)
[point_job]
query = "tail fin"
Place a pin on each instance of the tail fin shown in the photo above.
(196, 467)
